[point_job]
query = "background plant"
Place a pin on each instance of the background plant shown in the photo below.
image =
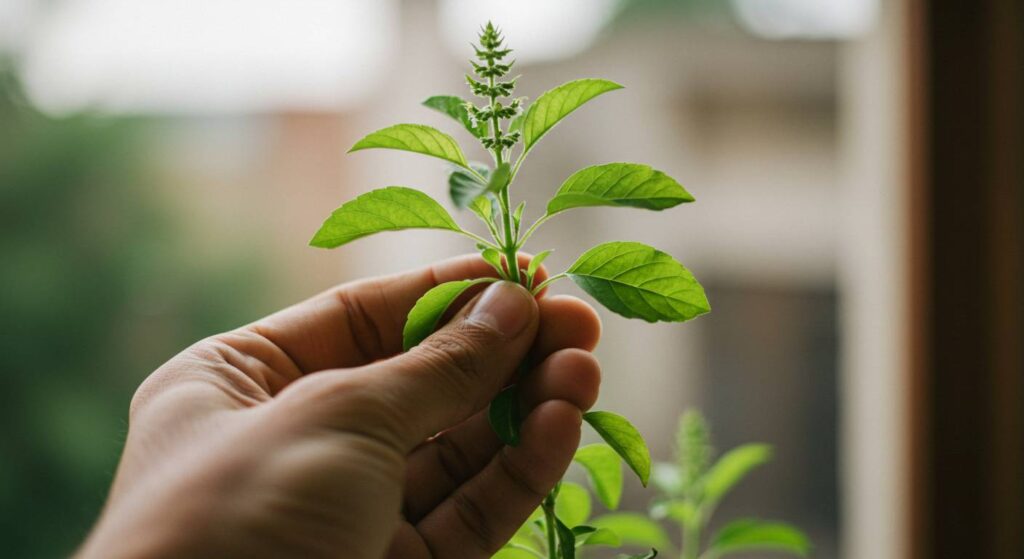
(629, 278)
(693, 486)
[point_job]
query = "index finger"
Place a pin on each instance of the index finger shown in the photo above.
(361, 322)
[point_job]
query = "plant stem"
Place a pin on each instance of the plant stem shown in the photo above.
(548, 505)
(691, 540)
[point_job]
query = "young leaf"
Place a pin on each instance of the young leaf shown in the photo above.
(426, 313)
(481, 206)
(417, 138)
(731, 468)
(634, 529)
(619, 184)
(535, 263)
(604, 470)
(455, 107)
(566, 541)
(638, 281)
(504, 416)
(573, 504)
(493, 258)
(748, 535)
(620, 434)
(557, 103)
(465, 188)
(517, 216)
(386, 209)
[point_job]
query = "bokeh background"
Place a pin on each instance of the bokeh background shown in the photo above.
(164, 163)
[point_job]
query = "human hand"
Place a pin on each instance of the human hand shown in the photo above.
(306, 434)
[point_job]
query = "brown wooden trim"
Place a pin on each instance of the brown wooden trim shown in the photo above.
(918, 283)
(967, 195)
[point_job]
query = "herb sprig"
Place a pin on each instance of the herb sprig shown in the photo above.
(629, 278)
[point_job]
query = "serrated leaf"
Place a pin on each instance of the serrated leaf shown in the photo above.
(572, 505)
(386, 209)
(634, 529)
(557, 103)
(465, 187)
(619, 184)
(417, 138)
(455, 107)
(731, 468)
(749, 534)
(625, 439)
(428, 310)
(504, 416)
(638, 281)
(604, 471)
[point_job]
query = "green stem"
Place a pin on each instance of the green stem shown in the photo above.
(691, 540)
(548, 282)
(548, 505)
(479, 239)
(533, 228)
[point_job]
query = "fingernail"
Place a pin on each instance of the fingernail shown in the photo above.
(505, 307)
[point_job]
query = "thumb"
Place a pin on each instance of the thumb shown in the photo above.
(450, 376)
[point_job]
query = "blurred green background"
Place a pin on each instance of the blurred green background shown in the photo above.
(99, 287)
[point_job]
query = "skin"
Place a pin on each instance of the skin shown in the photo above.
(309, 434)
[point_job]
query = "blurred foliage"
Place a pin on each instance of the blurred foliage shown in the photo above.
(97, 287)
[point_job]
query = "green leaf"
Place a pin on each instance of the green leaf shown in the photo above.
(620, 434)
(416, 138)
(428, 310)
(386, 209)
(557, 103)
(535, 263)
(732, 467)
(455, 107)
(465, 188)
(566, 541)
(572, 505)
(604, 470)
(517, 216)
(504, 415)
(493, 258)
(619, 184)
(633, 529)
(749, 534)
(598, 536)
(638, 281)
(481, 206)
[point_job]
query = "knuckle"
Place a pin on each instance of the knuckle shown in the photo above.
(476, 521)
(457, 352)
